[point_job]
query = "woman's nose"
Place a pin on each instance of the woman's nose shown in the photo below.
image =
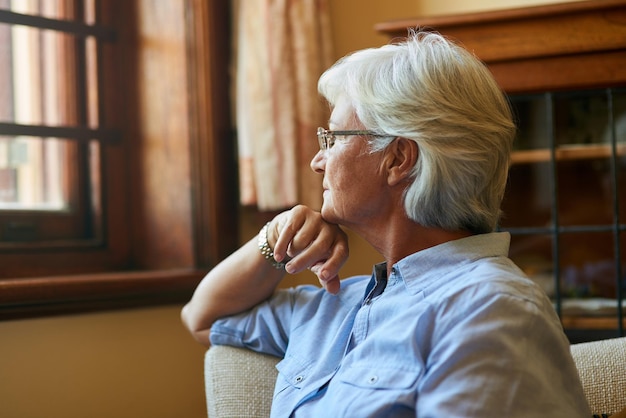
(318, 162)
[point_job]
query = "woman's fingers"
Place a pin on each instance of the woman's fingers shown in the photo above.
(331, 284)
(307, 241)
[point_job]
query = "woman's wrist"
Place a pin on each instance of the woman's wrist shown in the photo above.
(266, 249)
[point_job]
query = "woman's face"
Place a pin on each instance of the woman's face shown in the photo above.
(353, 184)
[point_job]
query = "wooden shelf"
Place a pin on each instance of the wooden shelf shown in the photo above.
(585, 322)
(566, 152)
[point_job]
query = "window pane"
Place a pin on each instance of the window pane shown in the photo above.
(38, 89)
(33, 173)
(581, 118)
(38, 68)
(51, 9)
(529, 187)
(619, 118)
(532, 120)
(588, 266)
(533, 254)
(585, 192)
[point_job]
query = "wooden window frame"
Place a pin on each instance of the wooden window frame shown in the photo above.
(128, 269)
(31, 230)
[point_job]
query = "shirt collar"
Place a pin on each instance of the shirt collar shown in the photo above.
(420, 269)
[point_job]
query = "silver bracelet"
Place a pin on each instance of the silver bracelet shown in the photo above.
(265, 249)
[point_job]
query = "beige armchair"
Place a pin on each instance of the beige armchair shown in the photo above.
(240, 383)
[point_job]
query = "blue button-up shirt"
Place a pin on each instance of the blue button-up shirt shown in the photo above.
(456, 330)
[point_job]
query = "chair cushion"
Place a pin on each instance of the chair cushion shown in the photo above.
(602, 369)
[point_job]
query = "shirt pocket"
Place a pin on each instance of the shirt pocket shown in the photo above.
(376, 391)
(292, 374)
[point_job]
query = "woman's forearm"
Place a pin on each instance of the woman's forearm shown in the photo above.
(299, 237)
(238, 283)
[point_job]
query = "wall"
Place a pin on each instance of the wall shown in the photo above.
(126, 364)
(352, 31)
(141, 363)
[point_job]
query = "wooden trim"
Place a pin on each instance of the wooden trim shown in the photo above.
(213, 157)
(531, 49)
(567, 152)
(587, 322)
(572, 72)
(44, 296)
(530, 32)
(398, 27)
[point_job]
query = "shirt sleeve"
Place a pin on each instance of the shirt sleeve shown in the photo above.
(266, 327)
(499, 355)
(263, 329)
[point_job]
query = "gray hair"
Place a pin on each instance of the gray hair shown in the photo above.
(439, 95)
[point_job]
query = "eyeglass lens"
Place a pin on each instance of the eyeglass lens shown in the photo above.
(325, 139)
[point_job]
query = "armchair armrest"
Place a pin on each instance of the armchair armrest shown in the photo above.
(239, 382)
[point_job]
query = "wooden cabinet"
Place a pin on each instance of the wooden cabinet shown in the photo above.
(564, 69)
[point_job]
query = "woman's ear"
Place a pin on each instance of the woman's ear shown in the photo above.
(402, 155)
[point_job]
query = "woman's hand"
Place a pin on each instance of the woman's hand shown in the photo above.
(301, 236)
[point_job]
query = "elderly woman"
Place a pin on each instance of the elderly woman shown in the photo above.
(415, 161)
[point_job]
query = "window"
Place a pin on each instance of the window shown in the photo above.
(118, 184)
(50, 137)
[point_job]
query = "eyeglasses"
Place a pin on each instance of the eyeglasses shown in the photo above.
(326, 138)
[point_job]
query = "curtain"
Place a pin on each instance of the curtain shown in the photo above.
(282, 47)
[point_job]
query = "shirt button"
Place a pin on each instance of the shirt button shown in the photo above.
(372, 380)
(299, 379)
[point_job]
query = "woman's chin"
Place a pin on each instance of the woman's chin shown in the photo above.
(327, 212)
